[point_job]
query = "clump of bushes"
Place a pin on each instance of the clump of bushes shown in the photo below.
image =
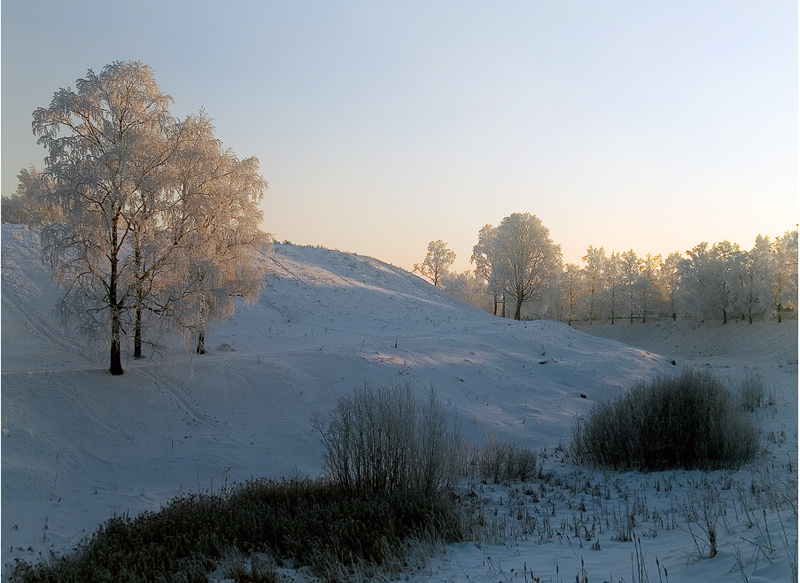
(689, 421)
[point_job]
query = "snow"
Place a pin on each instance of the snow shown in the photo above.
(79, 445)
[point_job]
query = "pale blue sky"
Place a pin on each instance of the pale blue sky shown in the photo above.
(384, 125)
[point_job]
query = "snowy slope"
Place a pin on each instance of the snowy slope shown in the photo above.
(79, 445)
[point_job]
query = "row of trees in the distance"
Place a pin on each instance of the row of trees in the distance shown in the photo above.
(517, 263)
(147, 222)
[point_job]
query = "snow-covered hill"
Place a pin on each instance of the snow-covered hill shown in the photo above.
(79, 445)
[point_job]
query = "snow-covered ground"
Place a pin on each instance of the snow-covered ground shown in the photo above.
(79, 445)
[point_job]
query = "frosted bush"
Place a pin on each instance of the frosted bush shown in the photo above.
(688, 421)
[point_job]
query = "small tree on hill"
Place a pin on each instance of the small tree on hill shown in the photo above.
(437, 261)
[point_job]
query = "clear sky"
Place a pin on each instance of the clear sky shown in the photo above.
(381, 126)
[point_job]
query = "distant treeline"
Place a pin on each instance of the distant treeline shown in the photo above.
(720, 281)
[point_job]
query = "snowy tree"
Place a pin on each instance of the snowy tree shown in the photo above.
(118, 245)
(214, 223)
(789, 245)
(649, 296)
(711, 279)
(784, 273)
(669, 280)
(483, 258)
(755, 274)
(725, 283)
(572, 287)
(525, 258)
(611, 274)
(629, 271)
(23, 206)
(467, 287)
(696, 276)
(436, 262)
(106, 144)
(595, 260)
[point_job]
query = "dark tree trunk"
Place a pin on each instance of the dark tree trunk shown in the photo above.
(116, 318)
(518, 310)
(137, 335)
(201, 343)
(137, 332)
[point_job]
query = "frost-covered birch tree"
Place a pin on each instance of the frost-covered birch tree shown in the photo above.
(214, 221)
(756, 267)
(107, 142)
(649, 296)
(725, 288)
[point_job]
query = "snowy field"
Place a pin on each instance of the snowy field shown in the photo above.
(79, 445)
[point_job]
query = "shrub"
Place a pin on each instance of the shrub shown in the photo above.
(752, 393)
(689, 421)
(381, 440)
(501, 462)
